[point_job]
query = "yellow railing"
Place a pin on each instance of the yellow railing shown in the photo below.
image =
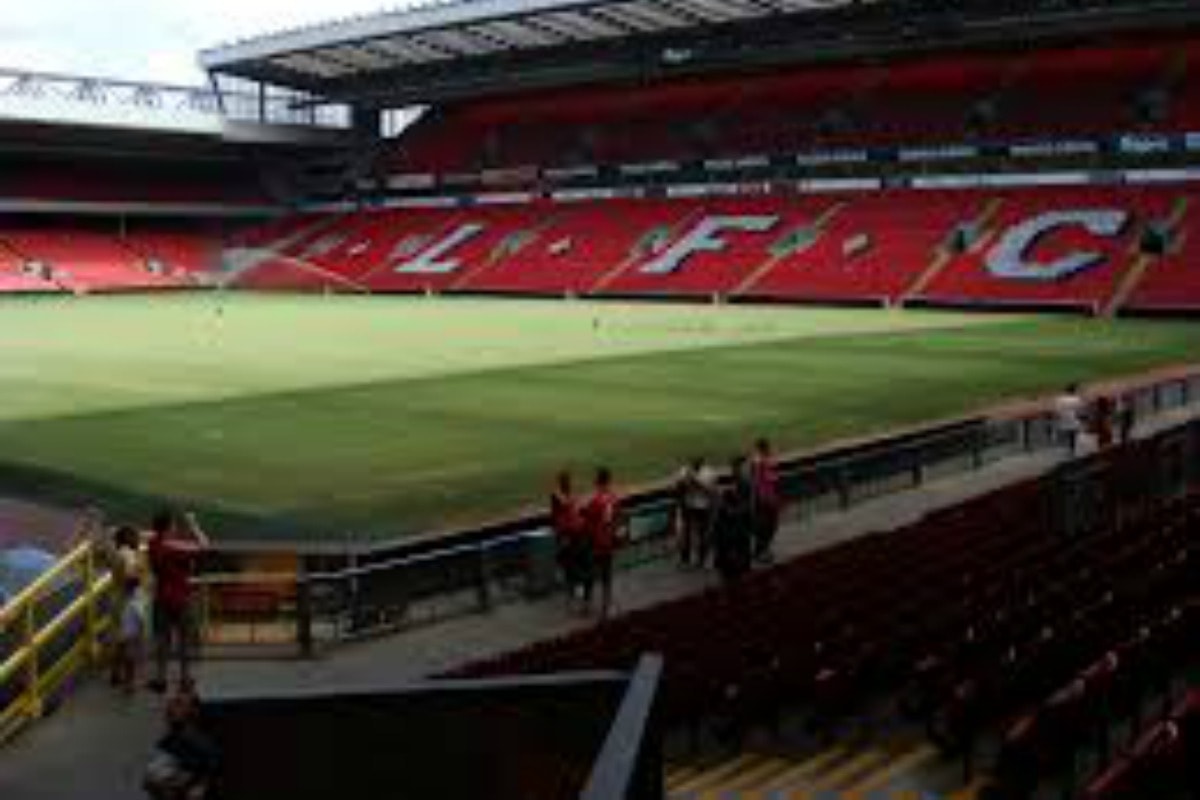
(30, 631)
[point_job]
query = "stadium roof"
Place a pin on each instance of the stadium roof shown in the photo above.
(463, 48)
(462, 29)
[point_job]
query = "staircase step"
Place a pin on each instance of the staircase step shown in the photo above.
(907, 762)
(804, 769)
(969, 792)
(848, 771)
(714, 776)
(754, 779)
(674, 776)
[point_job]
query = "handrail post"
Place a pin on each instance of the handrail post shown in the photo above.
(304, 637)
(485, 597)
(89, 593)
(33, 678)
(843, 488)
(918, 468)
(204, 615)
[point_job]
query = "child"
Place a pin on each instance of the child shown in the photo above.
(185, 759)
(131, 631)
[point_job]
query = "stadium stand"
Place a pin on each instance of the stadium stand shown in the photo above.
(1121, 82)
(981, 618)
(82, 260)
(948, 98)
(176, 253)
(1043, 633)
(1173, 282)
(971, 276)
(1041, 247)
(54, 255)
(752, 225)
(14, 276)
(871, 249)
(1086, 248)
(117, 180)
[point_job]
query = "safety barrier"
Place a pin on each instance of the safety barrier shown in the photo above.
(50, 632)
(375, 591)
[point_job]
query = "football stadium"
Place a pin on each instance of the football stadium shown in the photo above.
(609, 400)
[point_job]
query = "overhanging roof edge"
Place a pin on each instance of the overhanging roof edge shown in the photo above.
(378, 26)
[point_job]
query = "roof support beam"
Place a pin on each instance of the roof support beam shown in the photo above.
(608, 17)
(686, 11)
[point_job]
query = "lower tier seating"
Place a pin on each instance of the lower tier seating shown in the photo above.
(1098, 248)
(14, 278)
(81, 260)
(1101, 249)
(983, 617)
(1173, 281)
(60, 257)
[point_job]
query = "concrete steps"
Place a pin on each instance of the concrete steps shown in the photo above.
(904, 769)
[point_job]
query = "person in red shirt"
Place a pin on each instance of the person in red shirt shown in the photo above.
(567, 523)
(172, 556)
(603, 523)
(767, 499)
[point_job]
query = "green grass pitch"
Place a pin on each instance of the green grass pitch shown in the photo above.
(379, 417)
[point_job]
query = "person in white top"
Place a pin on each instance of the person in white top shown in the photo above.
(697, 494)
(1068, 414)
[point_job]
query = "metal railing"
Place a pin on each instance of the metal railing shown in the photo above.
(376, 591)
(50, 632)
(630, 765)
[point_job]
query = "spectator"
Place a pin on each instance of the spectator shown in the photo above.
(603, 523)
(1068, 415)
(1126, 419)
(697, 493)
(567, 522)
(126, 555)
(172, 561)
(1102, 415)
(131, 633)
(185, 760)
(735, 519)
(767, 502)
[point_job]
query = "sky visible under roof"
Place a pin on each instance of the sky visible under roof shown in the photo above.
(148, 40)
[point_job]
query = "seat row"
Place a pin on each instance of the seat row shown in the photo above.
(935, 606)
(1095, 248)
(1130, 87)
(79, 260)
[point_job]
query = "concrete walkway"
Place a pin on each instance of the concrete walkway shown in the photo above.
(95, 746)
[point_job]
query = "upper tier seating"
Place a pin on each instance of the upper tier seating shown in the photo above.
(1084, 91)
(1075, 91)
(129, 182)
